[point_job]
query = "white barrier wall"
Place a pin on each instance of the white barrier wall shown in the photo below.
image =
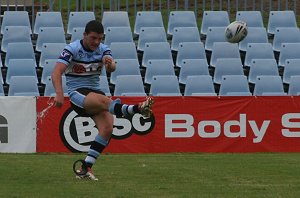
(17, 124)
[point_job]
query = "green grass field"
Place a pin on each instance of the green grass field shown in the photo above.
(153, 175)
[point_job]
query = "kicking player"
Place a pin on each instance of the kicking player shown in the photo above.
(81, 61)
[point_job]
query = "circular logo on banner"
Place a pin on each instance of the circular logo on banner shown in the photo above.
(77, 132)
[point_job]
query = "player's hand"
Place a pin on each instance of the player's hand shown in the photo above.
(59, 100)
(109, 63)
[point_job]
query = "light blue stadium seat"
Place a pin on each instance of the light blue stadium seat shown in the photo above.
(1, 90)
(285, 35)
(252, 18)
(50, 35)
(227, 66)
(47, 19)
(285, 18)
(165, 85)
(48, 67)
(258, 51)
(294, 87)
(77, 33)
(255, 35)
(125, 50)
(115, 19)
(158, 67)
(224, 50)
(292, 68)
(288, 51)
(190, 50)
(268, 86)
(234, 85)
(15, 18)
(15, 34)
(125, 67)
(180, 19)
(49, 88)
(104, 86)
(19, 51)
(117, 34)
(20, 67)
(214, 19)
(192, 67)
(184, 34)
(262, 67)
(214, 34)
(147, 19)
(50, 51)
(79, 19)
(157, 50)
(199, 86)
(129, 85)
(150, 35)
(1, 78)
(23, 85)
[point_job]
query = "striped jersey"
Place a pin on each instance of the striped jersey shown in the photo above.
(83, 66)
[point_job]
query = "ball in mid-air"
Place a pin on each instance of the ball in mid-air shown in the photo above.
(236, 31)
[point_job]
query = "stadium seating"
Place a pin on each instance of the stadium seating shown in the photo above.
(118, 34)
(147, 19)
(255, 35)
(292, 68)
(234, 85)
(278, 19)
(190, 50)
(1, 79)
(15, 18)
(115, 19)
(258, 51)
(157, 50)
(201, 85)
(184, 34)
(192, 67)
(77, 34)
(47, 19)
(20, 67)
(49, 88)
(157, 67)
(124, 50)
(79, 19)
(288, 51)
(294, 88)
(104, 86)
(125, 67)
(150, 35)
(285, 35)
(213, 19)
(2, 91)
(180, 19)
(252, 18)
(262, 67)
(129, 85)
(165, 85)
(19, 51)
(268, 86)
(227, 66)
(23, 85)
(50, 51)
(224, 50)
(48, 67)
(15, 34)
(214, 34)
(50, 35)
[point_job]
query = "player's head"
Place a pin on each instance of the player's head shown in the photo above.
(93, 35)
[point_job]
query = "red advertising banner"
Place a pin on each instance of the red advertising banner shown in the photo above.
(181, 124)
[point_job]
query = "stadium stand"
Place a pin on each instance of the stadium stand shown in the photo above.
(23, 85)
(79, 19)
(214, 34)
(19, 51)
(125, 50)
(213, 19)
(117, 34)
(294, 88)
(157, 50)
(147, 19)
(50, 35)
(285, 18)
(255, 35)
(15, 18)
(268, 86)
(252, 18)
(47, 19)
(50, 51)
(115, 19)
(292, 68)
(49, 89)
(224, 50)
(227, 66)
(201, 85)
(77, 33)
(192, 67)
(234, 85)
(258, 51)
(125, 67)
(165, 85)
(180, 19)
(158, 67)
(129, 85)
(280, 37)
(20, 67)
(190, 50)
(288, 51)
(150, 35)
(104, 86)
(262, 67)
(47, 69)
(184, 34)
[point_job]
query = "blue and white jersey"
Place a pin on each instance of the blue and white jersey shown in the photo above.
(83, 66)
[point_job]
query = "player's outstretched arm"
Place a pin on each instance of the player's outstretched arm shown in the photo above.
(57, 83)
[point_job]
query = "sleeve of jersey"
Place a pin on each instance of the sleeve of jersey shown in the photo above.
(66, 55)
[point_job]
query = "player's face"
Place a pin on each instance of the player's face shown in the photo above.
(92, 40)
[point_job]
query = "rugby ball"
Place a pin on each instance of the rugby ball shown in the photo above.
(236, 31)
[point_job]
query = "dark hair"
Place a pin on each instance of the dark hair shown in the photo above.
(94, 26)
